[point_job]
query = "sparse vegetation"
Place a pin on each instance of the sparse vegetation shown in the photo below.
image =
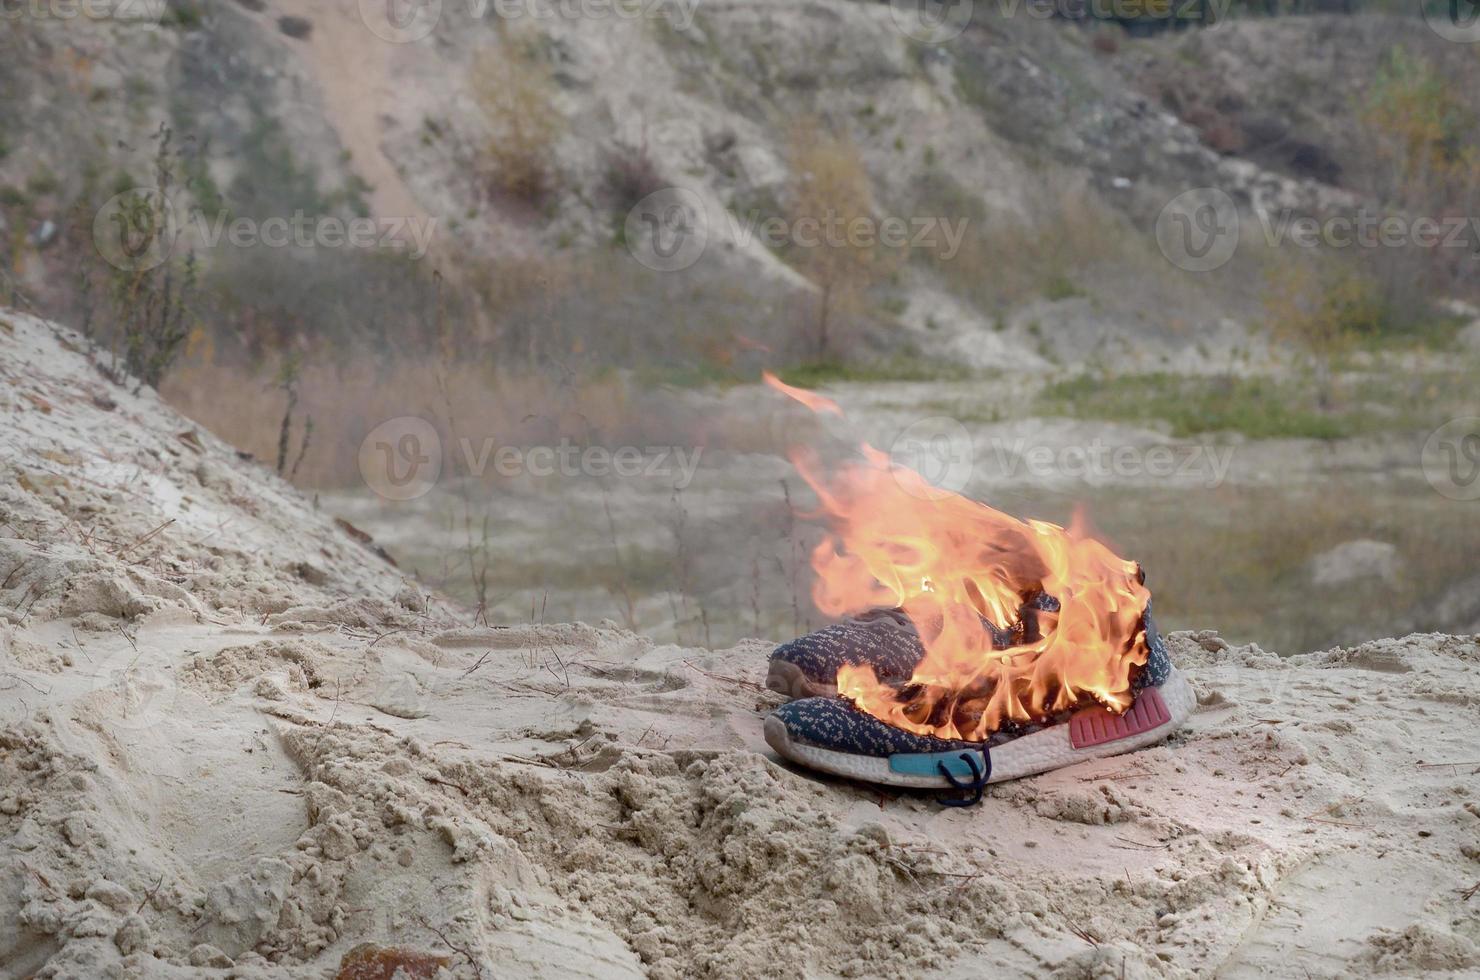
(512, 86)
(631, 175)
(151, 303)
(830, 189)
(1259, 407)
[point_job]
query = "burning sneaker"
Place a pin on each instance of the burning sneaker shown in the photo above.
(884, 639)
(933, 694)
(834, 735)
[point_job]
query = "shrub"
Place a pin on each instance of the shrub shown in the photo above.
(512, 86)
(631, 175)
(831, 187)
(151, 306)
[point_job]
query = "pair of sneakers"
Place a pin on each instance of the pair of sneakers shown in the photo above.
(822, 731)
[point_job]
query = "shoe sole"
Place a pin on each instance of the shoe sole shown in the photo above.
(1091, 733)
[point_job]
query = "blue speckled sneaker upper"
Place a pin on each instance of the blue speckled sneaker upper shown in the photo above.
(886, 640)
(834, 723)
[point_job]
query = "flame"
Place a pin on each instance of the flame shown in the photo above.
(955, 566)
(817, 403)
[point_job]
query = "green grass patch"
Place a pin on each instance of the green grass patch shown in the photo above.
(1260, 408)
(815, 373)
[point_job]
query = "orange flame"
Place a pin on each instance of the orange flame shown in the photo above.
(954, 566)
(817, 403)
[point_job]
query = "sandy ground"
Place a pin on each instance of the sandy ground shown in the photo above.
(234, 741)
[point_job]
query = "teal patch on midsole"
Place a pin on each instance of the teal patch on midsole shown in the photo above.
(928, 763)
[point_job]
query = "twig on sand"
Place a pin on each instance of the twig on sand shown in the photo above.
(1337, 823)
(462, 950)
(7, 675)
(1079, 930)
(730, 680)
(1447, 765)
(1142, 844)
(479, 663)
(1470, 892)
(19, 565)
(138, 541)
(437, 781)
(149, 895)
(563, 668)
(1131, 773)
(400, 629)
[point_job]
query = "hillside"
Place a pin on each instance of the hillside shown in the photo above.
(512, 151)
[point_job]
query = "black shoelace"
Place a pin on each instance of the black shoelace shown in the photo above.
(976, 785)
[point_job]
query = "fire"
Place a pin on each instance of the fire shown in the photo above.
(963, 572)
(814, 401)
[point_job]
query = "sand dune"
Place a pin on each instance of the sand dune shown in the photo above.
(234, 741)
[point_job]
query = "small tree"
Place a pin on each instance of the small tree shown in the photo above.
(512, 87)
(830, 191)
(1322, 311)
(151, 302)
(1419, 131)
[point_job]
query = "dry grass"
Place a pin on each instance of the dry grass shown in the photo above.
(512, 85)
(831, 186)
(1066, 241)
(346, 401)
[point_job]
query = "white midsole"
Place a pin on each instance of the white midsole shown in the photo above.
(1035, 753)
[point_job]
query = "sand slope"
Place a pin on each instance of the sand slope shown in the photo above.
(239, 744)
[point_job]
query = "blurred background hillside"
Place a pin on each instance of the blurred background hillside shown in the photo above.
(586, 232)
